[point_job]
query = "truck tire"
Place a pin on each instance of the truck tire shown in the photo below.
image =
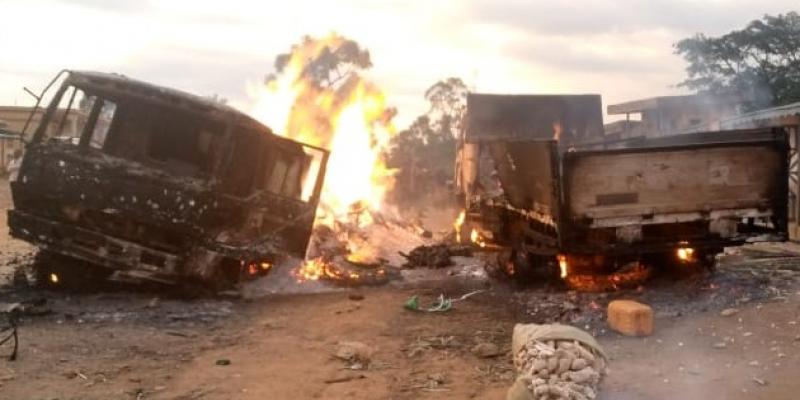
(526, 268)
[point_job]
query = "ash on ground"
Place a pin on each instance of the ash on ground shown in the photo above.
(753, 273)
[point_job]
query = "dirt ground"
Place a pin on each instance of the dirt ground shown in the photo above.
(136, 344)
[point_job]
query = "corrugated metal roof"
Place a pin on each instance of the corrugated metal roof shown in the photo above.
(762, 117)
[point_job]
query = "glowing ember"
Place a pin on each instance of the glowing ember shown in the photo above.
(685, 254)
(476, 238)
(341, 272)
(457, 225)
(350, 118)
(562, 265)
(313, 270)
(626, 278)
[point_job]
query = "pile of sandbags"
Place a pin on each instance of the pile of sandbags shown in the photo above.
(555, 362)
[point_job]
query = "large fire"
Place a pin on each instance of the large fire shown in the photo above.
(347, 116)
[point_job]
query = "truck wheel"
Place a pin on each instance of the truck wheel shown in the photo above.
(525, 268)
(53, 270)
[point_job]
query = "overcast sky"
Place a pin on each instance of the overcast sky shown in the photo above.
(621, 49)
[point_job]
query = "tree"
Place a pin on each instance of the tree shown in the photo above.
(448, 101)
(334, 62)
(761, 61)
(425, 151)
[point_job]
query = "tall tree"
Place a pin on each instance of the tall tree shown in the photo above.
(448, 101)
(761, 61)
(330, 60)
(425, 151)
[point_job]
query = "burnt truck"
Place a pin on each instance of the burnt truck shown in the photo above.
(539, 183)
(150, 183)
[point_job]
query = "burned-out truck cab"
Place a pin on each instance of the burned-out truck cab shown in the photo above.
(157, 184)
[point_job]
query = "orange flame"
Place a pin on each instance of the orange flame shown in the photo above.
(562, 265)
(351, 120)
(313, 270)
(457, 225)
(476, 238)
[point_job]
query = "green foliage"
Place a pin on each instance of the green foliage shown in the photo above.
(425, 151)
(761, 61)
(338, 58)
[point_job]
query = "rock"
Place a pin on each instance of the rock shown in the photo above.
(552, 364)
(760, 381)
(539, 364)
(728, 312)
(352, 351)
(486, 350)
(582, 376)
(344, 376)
(564, 365)
(719, 345)
(154, 302)
(355, 296)
(579, 364)
(223, 362)
(630, 318)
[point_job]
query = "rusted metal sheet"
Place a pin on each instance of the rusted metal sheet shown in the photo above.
(162, 184)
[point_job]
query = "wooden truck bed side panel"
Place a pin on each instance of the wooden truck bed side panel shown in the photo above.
(687, 182)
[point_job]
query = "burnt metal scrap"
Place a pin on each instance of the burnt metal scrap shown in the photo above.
(435, 256)
(9, 329)
(154, 183)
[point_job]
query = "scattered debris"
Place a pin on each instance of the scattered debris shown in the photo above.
(759, 381)
(423, 344)
(435, 256)
(344, 376)
(729, 312)
(442, 303)
(486, 350)
(357, 354)
(355, 296)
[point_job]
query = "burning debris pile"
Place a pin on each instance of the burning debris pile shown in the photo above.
(435, 256)
(556, 362)
(628, 277)
(318, 96)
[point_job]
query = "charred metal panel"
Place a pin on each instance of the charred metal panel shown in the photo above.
(570, 119)
(528, 175)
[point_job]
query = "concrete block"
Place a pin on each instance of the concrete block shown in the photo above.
(630, 318)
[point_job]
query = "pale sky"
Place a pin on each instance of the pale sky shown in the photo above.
(621, 49)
